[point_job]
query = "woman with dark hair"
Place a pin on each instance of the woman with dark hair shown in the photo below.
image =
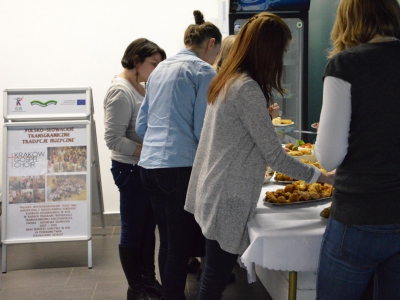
(361, 98)
(237, 142)
(121, 106)
(170, 121)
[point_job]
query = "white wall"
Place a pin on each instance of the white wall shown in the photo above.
(47, 43)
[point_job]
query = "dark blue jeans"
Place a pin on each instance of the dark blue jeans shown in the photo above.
(218, 269)
(352, 254)
(176, 226)
(137, 219)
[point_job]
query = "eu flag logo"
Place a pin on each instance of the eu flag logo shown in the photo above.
(81, 102)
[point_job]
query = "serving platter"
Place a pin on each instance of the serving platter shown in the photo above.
(283, 182)
(316, 201)
(273, 179)
(283, 125)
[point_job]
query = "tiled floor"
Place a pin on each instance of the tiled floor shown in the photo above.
(58, 271)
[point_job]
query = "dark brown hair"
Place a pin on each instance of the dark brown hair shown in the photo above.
(358, 21)
(197, 33)
(138, 51)
(257, 51)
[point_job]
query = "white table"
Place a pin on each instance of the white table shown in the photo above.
(286, 238)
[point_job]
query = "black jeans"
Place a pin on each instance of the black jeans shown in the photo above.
(215, 277)
(137, 219)
(168, 187)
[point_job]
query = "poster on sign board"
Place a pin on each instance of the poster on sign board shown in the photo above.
(51, 103)
(47, 180)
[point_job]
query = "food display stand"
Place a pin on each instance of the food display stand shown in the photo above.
(295, 13)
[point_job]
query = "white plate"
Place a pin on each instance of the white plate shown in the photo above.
(303, 148)
(283, 125)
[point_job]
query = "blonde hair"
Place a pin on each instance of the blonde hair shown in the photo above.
(258, 52)
(226, 47)
(358, 21)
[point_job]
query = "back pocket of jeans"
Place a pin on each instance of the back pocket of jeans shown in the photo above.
(121, 175)
(365, 248)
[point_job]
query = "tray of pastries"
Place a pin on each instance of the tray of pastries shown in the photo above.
(285, 179)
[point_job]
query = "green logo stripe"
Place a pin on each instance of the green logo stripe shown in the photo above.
(43, 104)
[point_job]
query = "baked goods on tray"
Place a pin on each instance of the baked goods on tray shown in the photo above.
(294, 150)
(326, 212)
(283, 177)
(299, 191)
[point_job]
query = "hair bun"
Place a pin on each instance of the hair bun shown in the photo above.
(198, 17)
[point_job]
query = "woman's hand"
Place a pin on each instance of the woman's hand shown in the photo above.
(274, 110)
(138, 150)
(327, 177)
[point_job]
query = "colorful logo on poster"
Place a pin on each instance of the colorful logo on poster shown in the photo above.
(18, 101)
(43, 104)
(25, 159)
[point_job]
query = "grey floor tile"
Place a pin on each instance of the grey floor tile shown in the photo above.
(97, 274)
(73, 292)
(35, 278)
(117, 231)
(58, 271)
(46, 255)
(111, 290)
(192, 287)
(100, 232)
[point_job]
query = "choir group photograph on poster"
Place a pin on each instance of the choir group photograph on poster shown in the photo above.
(26, 189)
(66, 159)
(66, 188)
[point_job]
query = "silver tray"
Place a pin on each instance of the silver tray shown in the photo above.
(316, 201)
(283, 182)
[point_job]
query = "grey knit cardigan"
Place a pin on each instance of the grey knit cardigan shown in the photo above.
(238, 140)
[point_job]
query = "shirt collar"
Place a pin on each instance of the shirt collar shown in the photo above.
(188, 52)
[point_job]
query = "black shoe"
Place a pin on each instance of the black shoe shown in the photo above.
(193, 266)
(131, 262)
(153, 288)
(140, 294)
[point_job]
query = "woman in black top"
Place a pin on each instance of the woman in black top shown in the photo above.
(357, 135)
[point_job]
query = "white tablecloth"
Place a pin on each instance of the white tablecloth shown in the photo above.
(286, 238)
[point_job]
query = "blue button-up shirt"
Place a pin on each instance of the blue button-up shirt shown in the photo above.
(172, 113)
